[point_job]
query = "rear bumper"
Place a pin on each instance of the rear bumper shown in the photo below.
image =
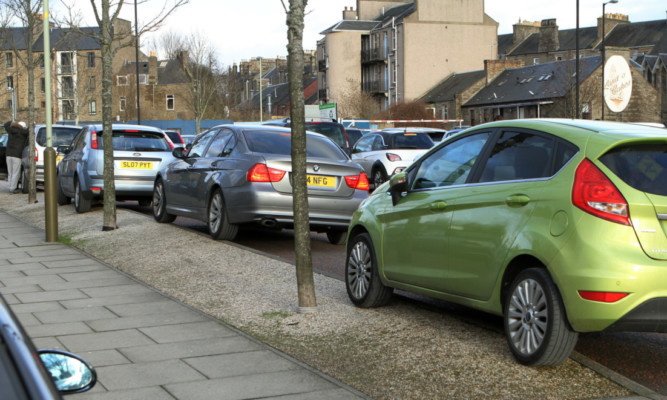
(650, 316)
(126, 188)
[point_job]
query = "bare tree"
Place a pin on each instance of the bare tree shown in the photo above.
(304, 261)
(354, 102)
(111, 39)
(28, 13)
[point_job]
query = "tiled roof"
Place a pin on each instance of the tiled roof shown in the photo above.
(534, 83)
(397, 13)
(637, 34)
(13, 38)
(70, 40)
(453, 85)
(350, 25)
(566, 41)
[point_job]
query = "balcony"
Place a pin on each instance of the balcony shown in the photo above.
(374, 86)
(322, 94)
(66, 69)
(67, 94)
(372, 55)
(322, 65)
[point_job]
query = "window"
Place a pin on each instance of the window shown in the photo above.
(143, 79)
(41, 61)
(9, 104)
(91, 59)
(519, 155)
(170, 102)
(66, 63)
(91, 83)
(10, 83)
(68, 110)
(559, 58)
(445, 112)
(536, 60)
(121, 80)
(122, 103)
(43, 104)
(218, 145)
(92, 107)
(42, 85)
(9, 60)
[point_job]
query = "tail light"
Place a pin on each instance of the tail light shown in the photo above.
(603, 297)
(595, 194)
(36, 155)
(359, 182)
(393, 157)
(261, 173)
(93, 140)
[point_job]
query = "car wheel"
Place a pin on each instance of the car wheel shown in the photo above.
(362, 278)
(535, 323)
(379, 177)
(160, 204)
(81, 204)
(336, 237)
(25, 186)
(62, 198)
(218, 224)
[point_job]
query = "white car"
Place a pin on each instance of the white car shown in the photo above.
(60, 135)
(386, 153)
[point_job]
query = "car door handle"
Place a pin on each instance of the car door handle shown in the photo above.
(438, 206)
(517, 200)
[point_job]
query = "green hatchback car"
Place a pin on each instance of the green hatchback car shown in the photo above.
(560, 226)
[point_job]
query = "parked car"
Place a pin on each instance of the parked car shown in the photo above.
(3, 153)
(436, 134)
(176, 138)
(332, 130)
(60, 135)
(557, 225)
(454, 131)
(234, 175)
(139, 153)
(187, 139)
(386, 153)
(26, 373)
(353, 134)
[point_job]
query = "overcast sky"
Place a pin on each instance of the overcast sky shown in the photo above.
(242, 29)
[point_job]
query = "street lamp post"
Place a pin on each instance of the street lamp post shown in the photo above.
(576, 65)
(260, 90)
(603, 52)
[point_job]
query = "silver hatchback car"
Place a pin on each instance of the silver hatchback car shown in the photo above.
(139, 153)
(235, 175)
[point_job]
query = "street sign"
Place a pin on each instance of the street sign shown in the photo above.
(329, 111)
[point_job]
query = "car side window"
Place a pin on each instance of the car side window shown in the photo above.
(378, 143)
(218, 144)
(198, 148)
(364, 144)
(451, 164)
(519, 155)
(79, 142)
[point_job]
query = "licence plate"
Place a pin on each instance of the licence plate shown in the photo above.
(58, 159)
(136, 165)
(321, 181)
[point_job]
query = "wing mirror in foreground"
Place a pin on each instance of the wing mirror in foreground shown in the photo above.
(398, 184)
(63, 148)
(69, 372)
(179, 152)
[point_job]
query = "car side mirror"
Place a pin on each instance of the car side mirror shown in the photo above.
(63, 149)
(69, 372)
(398, 184)
(179, 152)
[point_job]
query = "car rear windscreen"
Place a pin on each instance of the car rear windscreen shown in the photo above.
(136, 141)
(410, 140)
(174, 136)
(643, 167)
(281, 143)
(60, 136)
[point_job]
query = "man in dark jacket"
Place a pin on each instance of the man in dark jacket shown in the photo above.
(16, 142)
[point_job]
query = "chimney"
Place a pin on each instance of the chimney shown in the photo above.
(548, 36)
(182, 57)
(349, 14)
(152, 68)
(523, 29)
(610, 21)
(493, 68)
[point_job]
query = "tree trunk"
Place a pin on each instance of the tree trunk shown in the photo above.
(302, 249)
(32, 189)
(107, 117)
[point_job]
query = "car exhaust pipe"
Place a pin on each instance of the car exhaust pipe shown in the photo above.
(269, 222)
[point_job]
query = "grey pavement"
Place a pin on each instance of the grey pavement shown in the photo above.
(143, 344)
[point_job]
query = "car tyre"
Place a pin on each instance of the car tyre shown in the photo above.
(81, 204)
(362, 279)
(336, 237)
(536, 326)
(160, 204)
(62, 199)
(218, 223)
(379, 177)
(25, 186)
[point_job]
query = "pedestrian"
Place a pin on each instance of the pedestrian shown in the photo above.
(16, 142)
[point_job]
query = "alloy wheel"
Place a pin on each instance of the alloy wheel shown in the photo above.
(528, 317)
(215, 213)
(359, 269)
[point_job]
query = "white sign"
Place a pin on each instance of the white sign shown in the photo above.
(617, 83)
(328, 111)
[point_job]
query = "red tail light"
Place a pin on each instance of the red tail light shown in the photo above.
(594, 193)
(359, 182)
(93, 140)
(36, 155)
(603, 297)
(261, 173)
(393, 157)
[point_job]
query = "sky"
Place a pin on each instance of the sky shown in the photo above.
(244, 29)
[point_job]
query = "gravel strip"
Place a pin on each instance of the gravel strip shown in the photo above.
(396, 352)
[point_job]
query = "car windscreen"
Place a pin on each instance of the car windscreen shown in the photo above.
(332, 131)
(643, 167)
(136, 141)
(60, 136)
(281, 143)
(410, 140)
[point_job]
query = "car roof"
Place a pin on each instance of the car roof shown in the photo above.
(128, 126)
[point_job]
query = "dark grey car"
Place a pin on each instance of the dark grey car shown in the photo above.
(235, 175)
